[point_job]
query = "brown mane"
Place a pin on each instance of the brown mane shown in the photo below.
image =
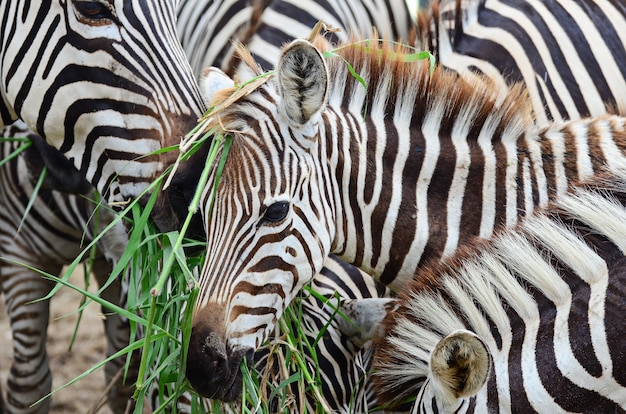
(386, 73)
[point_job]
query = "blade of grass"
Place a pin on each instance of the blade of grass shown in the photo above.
(33, 197)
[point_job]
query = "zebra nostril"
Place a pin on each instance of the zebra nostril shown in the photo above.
(212, 370)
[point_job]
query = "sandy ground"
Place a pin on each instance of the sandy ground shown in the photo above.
(65, 365)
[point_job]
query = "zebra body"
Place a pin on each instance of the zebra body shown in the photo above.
(384, 178)
(49, 236)
(285, 20)
(568, 54)
(546, 298)
(208, 29)
(88, 155)
(91, 76)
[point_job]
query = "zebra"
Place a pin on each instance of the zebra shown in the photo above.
(307, 172)
(568, 54)
(543, 305)
(99, 15)
(90, 77)
(46, 237)
(536, 93)
(206, 29)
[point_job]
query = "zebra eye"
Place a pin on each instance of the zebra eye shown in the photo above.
(276, 212)
(93, 10)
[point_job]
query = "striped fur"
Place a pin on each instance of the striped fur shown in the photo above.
(209, 28)
(292, 19)
(547, 298)
(49, 236)
(568, 54)
(384, 178)
(91, 76)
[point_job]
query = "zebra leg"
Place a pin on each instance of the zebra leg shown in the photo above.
(117, 330)
(29, 378)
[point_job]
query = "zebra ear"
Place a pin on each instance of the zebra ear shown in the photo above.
(212, 80)
(459, 366)
(303, 83)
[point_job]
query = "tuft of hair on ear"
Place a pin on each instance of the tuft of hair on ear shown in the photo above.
(302, 81)
(460, 364)
(212, 81)
(244, 55)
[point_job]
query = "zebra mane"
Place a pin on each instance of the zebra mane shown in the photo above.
(477, 287)
(389, 79)
(437, 99)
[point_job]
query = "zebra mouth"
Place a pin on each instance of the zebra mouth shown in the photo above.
(213, 371)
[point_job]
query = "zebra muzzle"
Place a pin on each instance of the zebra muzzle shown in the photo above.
(212, 369)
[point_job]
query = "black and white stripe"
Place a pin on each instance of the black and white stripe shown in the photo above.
(342, 361)
(104, 82)
(387, 178)
(209, 28)
(568, 54)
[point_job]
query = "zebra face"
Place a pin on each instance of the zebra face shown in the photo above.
(105, 82)
(269, 228)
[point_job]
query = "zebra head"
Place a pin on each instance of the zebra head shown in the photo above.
(104, 82)
(269, 228)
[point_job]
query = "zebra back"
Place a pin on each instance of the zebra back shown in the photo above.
(209, 37)
(209, 29)
(567, 54)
